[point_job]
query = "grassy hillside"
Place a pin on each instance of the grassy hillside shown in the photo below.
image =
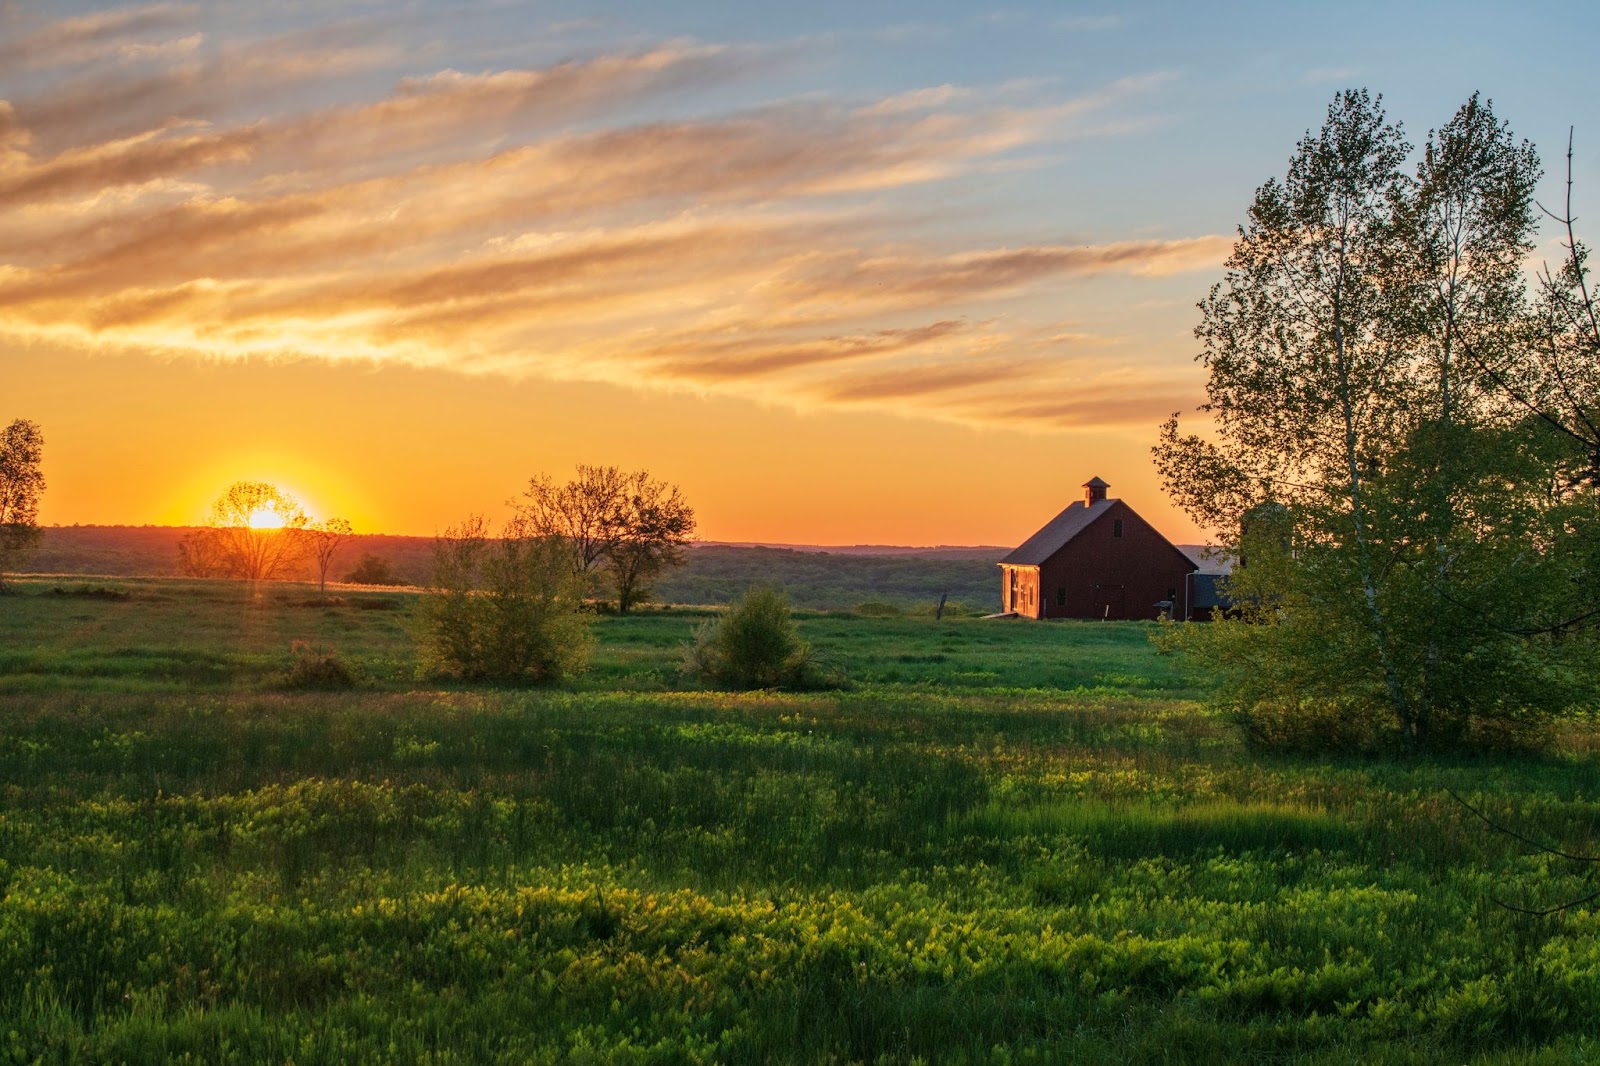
(815, 578)
(1007, 842)
(835, 580)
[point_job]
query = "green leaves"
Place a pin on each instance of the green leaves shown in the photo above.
(1425, 557)
(505, 607)
(21, 482)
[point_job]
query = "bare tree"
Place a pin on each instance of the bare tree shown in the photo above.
(324, 539)
(200, 554)
(1552, 382)
(21, 481)
(629, 524)
(584, 513)
(1559, 388)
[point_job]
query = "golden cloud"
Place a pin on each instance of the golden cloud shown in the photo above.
(471, 220)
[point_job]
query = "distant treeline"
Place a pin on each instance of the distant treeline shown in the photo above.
(152, 551)
(714, 574)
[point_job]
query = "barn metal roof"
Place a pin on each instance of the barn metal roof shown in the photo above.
(1056, 533)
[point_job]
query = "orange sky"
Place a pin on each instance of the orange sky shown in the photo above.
(396, 266)
(134, 439)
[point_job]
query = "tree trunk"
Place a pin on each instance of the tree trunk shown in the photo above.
(1366, 570)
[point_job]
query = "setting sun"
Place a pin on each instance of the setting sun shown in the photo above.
(265, 518)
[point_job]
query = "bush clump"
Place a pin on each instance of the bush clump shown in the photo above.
(505, 608)
(317, 667)
(94, 592)
(754, 644)
(373, 570)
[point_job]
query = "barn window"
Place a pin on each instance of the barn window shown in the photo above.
(1061, 595)
(1116, 528)
(1172, 594)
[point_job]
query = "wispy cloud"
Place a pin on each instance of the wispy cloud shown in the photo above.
(922, 381)
(522, 222)
(86, 38)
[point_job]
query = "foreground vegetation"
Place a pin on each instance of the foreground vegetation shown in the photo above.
(1402, 445)
(1003, 843)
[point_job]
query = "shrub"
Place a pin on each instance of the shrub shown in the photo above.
(505, 609)
(1287, 686)
(316, 667)
(755, 644)
(94, 592)
(875, 609)
(373, 570)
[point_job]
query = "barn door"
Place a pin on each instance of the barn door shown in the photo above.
(1110, 602)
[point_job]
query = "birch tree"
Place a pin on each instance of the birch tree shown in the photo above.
(1341, 396)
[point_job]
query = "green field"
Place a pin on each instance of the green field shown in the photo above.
(1003, 842)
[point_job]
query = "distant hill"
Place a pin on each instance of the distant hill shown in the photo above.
(818, 577)
(986, 552)
(152, 551)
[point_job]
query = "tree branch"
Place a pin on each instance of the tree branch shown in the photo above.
(1512, 833)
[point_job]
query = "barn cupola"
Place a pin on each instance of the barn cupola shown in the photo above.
(1094, 490)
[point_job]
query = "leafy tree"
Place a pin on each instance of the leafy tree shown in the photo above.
(1391, 588)
(1553, 384)
(629, 525)
(21, 482)
(652, 529)
(255, 535)
(503, 608)
(324, 540)
(1559, 386)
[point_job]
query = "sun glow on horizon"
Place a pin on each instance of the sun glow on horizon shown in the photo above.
(266, 518)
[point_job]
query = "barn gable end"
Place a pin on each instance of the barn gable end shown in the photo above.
(1096, 559)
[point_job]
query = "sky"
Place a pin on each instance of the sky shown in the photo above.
(847, 273)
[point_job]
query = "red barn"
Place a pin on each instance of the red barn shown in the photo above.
(1096, 559)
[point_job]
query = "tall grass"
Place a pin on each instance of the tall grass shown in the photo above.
(1068, 868)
